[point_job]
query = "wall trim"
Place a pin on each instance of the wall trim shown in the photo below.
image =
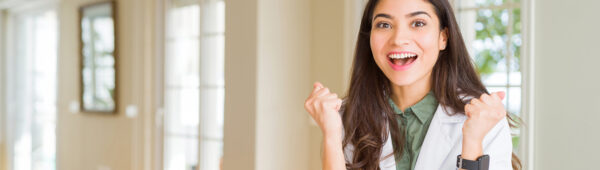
(527, 148)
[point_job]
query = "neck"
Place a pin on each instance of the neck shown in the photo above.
(409, 95)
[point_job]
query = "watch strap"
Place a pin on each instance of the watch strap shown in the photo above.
(482, 163)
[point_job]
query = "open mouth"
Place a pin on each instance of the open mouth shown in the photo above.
(401, 60)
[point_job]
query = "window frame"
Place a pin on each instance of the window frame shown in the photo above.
(527, 147)
(3, 71)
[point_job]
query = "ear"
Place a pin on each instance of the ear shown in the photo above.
(443, 39)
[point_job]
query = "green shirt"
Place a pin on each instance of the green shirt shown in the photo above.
(415, 120)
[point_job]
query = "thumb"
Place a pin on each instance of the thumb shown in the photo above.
(317, 85)
(501, 94)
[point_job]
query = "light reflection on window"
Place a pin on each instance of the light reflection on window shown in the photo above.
(194, 85)
(33, 115)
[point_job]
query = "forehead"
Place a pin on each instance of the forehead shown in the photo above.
(403, 7)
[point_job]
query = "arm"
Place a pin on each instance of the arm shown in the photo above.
(333, 155)
(497, 144)
(487, 126)
(323, 107)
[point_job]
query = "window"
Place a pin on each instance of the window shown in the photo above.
(492, 32)
(194, 84)
(31, 94)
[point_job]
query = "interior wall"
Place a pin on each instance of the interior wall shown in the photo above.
(241, 28)
(2, 94)
(328, 59)
(283, 83)
(267, 72)
(566, 84)
(327, 54)
(107, 142)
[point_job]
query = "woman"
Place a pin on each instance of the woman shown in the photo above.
(415, 100)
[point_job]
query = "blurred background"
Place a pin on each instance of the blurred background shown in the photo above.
(220, 84)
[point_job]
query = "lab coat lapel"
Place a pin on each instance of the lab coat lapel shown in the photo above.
(439, 139)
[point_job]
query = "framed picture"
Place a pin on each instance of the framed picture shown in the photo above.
(98, 58)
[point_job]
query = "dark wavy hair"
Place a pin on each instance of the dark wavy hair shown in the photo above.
(367, 114)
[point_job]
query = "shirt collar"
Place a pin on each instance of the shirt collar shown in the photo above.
(423, 110)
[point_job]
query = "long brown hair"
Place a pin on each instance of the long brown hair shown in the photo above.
(367, 115)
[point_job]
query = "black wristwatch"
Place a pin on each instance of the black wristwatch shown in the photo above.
(482, 163)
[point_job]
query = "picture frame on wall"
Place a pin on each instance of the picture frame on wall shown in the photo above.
(98, 58)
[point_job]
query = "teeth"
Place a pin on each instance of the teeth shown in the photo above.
(401, 56)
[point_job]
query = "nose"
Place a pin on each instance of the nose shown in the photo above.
(401, 37)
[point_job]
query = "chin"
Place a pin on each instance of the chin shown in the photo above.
(402, 80)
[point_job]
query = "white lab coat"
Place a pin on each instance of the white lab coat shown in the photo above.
(443, 143)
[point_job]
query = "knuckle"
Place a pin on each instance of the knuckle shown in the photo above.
(309, 106)
(474, 101)
(308, 101)
(322, 104)
(315, 104)
(483, 95)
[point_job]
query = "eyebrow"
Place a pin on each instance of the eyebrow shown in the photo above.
(412, 14)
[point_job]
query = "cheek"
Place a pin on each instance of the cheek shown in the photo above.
(377, 44)
(429, 44)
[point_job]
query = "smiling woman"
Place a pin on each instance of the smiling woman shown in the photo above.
(415, 100)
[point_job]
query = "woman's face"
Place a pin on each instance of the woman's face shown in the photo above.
(406, 40)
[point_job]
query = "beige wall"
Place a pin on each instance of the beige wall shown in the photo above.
(241, 29)
(294, 43)
(267, 79)
(2, 94)
(566, 84)
(283, 80)
(328, 58)
(92, 141)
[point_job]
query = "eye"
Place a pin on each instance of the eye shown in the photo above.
(383, 25)
(418, 23)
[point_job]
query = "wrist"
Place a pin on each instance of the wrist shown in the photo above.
(471, 149)
(332, 138)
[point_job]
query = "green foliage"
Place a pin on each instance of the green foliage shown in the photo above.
(515, 141)
(491, 26)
